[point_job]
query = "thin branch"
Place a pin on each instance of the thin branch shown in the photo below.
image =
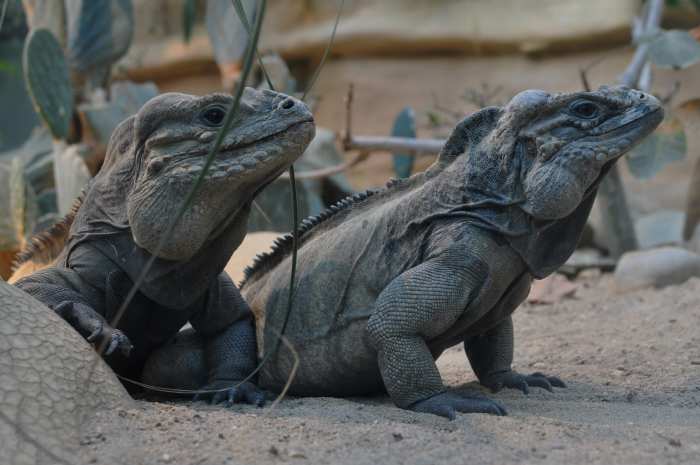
(394, 144)
(631, 75)
(389, 144)
(333, 170)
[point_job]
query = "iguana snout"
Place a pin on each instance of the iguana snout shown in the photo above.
(175, 132)
(573, 143)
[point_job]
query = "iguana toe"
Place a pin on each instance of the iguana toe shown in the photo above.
(553, 380)
(231, 392)
(447, 404)
(111, 339)
(515, 380)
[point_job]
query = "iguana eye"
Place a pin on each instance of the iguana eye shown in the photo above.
(584, 109)
(213, 116)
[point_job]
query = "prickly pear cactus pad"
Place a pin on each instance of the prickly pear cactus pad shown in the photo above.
(48, 81)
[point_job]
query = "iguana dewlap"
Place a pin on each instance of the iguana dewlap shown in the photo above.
(388, 279)
(152, 162)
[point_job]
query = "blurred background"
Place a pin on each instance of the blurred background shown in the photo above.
(70, 70)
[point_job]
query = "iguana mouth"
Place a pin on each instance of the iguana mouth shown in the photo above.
(190, 161)
(617, 141)
(269, 137)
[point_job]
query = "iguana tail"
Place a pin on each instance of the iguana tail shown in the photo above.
(43, 249)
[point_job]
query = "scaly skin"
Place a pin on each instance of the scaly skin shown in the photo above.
(45, 394)
(152, 162)
(389, 279)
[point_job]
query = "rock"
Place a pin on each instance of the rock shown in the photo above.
(587, 258)
(53, 382)
(300, 29)
(663, 227)
(657, 267)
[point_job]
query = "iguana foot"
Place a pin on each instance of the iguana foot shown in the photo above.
(231, 392)
(514, 380)
(113, 339)
(447, 404)
(93, 327)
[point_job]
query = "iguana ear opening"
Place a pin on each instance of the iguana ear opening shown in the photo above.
(469, 132)
(106, 195)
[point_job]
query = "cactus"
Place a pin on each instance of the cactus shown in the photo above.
(18, 202)
(48, 81)
(404, 126)
(99, 33)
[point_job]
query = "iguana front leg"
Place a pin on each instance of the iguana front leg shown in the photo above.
(48, 287)
(230, 358)
(491, 357)
(418, 305)
(229, 352)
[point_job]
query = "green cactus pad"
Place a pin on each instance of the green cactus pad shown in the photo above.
(18, 204)
(48, 81)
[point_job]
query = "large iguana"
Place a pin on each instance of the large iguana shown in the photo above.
(389, 279)
(152, 162)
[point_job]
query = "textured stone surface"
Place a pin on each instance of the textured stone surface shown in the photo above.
(51, 381)
(663, 227)
(658, 267)
(300, 28)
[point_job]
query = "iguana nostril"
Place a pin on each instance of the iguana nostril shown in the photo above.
(287, 104)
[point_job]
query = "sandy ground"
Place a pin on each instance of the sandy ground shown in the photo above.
(632, 363)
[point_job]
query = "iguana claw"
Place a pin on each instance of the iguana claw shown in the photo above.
(231, 392)
(114, 337)
(515, 380)
(87, 321)
(447, 404)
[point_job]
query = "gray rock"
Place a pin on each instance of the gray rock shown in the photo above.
(657, 267)
(664, 227)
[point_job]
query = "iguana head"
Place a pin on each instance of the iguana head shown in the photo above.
(567, 141)
(155, 157)
(530, 170)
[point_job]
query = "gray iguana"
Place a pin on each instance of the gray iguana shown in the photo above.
(152, 162)
(389, 279)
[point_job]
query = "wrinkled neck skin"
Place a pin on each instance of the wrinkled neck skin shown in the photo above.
(171, 283)
(495, 204)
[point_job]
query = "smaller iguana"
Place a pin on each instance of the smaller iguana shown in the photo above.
(389, 279)
(152, 162)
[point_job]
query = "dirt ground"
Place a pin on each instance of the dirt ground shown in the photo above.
(632, 364)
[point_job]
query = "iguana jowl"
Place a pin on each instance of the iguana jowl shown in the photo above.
(152, 162)
(389, 279)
